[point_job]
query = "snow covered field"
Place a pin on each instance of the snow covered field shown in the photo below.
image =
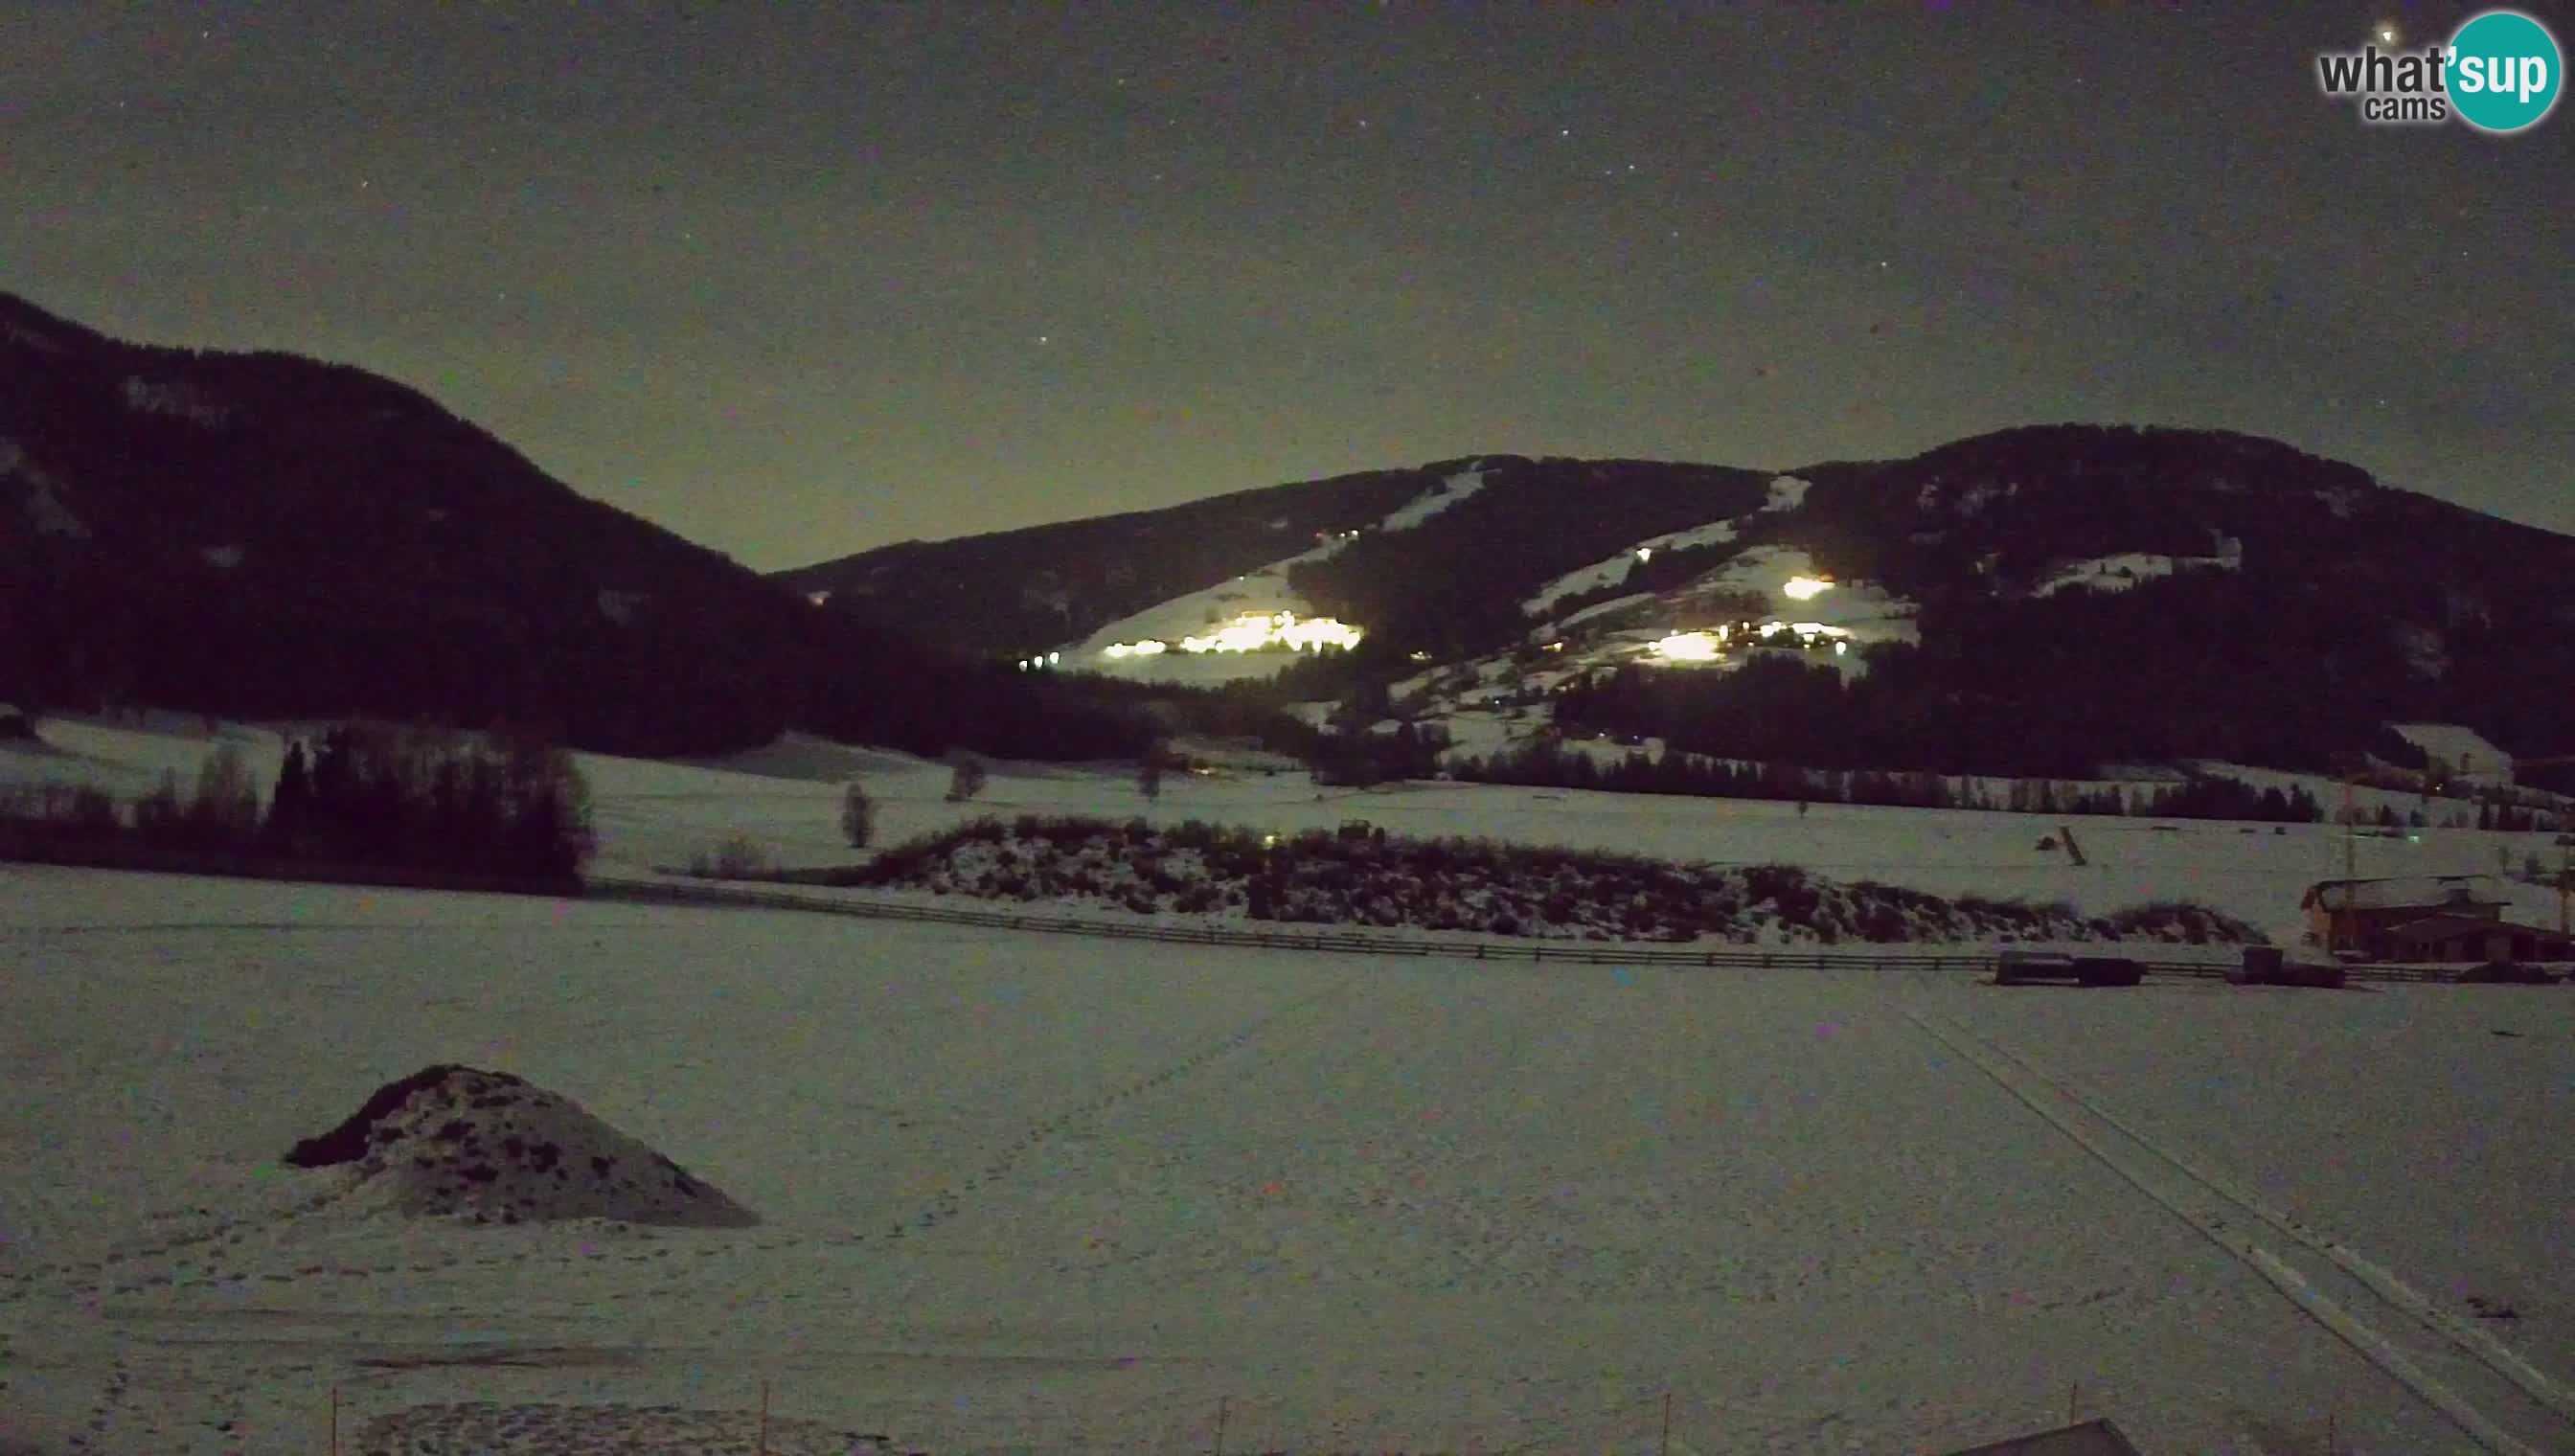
(1029, 1192)
(785, 798)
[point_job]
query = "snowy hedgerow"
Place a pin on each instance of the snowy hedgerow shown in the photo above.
(1322, 877)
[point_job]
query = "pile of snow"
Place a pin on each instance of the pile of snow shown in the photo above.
(458, 1142)
(2457, 750)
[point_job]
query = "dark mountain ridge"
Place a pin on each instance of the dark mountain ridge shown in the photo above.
(260, 535)
(2251, 600)
(266, 535)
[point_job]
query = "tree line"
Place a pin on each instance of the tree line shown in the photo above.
(1547, 762)
(364, 794)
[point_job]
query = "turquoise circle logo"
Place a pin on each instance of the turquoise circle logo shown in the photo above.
(2504, 70)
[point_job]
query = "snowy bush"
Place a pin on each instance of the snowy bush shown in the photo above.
(737, 856)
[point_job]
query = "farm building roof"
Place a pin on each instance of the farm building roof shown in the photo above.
(2446, 928)
(2404, 892)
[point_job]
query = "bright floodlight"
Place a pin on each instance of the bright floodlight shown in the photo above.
(1687, 647)
(1800, 589)
(1253, 631)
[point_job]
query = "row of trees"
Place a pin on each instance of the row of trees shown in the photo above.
(367, 793)
(966, 776)
(376, 793)
(753, 664)
(1547, 762)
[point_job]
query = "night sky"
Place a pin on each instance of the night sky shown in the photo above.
(799, 280)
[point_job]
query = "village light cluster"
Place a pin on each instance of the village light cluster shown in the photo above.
(1710, 646)
(1805, 588)
(1690, 646)
(1251, 632)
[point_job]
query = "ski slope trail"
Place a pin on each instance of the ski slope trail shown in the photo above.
(2482, 1386)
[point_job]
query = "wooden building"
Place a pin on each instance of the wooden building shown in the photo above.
(2423, 919)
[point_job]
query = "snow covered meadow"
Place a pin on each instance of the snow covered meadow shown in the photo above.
(785, 798)
(1044, 1193)
(1022, 1192)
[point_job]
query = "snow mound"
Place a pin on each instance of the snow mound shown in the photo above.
(459, 1141)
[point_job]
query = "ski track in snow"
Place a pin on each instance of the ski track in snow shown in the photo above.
(2537, 1412)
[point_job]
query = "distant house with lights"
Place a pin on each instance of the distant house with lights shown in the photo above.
(2424, 918)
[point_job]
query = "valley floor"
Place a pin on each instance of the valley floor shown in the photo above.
(1041, 1192)
(785, 799)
